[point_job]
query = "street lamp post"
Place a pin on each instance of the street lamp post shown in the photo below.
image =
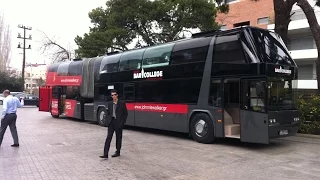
(25, 28)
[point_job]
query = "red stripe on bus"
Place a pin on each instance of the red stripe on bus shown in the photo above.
(54, 80)
(165, 108)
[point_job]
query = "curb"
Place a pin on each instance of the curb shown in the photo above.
(308, 136)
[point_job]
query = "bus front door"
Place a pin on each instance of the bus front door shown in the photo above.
(44, 98)
(253, 117)
(56, 101)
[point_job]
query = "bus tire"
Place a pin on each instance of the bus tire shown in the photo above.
(1, 102)
(101, 116)
(55, 116)
(202, 128)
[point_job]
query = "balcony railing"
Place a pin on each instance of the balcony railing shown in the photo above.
(299, 15)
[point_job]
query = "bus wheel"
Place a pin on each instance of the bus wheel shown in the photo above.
(55, 116)
(201, 128)
(1, 102)
(101, 117)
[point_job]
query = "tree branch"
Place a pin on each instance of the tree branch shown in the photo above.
(59, 53)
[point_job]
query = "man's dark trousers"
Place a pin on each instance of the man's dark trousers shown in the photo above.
(113, 127)
(9, 120)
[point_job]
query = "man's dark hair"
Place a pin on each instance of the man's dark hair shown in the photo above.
(114, 91)
(6, 91)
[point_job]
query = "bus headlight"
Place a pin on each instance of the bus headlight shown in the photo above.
(272, 121)
(296, 119)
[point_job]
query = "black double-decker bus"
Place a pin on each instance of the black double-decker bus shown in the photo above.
(235, 83)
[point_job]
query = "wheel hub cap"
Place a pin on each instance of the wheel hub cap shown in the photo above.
(102, 115)
(201, 128)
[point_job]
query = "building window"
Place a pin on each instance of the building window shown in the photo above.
(157, 56)
(223, 27)
(231, 1)
(264, 20)
(246, 23)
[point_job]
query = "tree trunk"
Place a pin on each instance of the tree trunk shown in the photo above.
(315, 29)
(282, 11)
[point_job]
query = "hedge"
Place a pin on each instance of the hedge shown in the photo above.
(309, 114)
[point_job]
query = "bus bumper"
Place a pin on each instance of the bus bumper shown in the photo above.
(278, 131)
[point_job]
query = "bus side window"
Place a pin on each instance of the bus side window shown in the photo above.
(131, 60)
(157, 56)
(228, 50)
(215, 93)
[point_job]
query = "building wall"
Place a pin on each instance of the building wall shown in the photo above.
(247, 10)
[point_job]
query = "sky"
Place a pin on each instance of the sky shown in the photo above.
(62, 19)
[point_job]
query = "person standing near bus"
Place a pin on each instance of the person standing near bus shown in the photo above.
(117, 116)
(9, 116)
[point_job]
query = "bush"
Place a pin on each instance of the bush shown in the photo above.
(11, 83)
(309, 114)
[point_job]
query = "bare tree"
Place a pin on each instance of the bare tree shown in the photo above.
(57, 52)
(5, 44)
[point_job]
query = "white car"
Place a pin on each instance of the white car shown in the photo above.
(1, 99)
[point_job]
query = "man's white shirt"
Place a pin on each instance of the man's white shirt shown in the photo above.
(10, 105)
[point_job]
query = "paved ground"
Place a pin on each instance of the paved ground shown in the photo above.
(67, 149)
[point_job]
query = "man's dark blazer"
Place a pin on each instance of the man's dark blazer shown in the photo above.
(121, 113)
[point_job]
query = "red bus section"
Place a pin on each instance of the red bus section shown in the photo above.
(54, 80)
(70, 106)
(165, 108)
(55, 107)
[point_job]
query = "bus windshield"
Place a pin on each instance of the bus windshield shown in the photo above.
(265, 46)
(280, 94)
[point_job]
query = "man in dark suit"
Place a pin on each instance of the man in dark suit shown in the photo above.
(117, 116)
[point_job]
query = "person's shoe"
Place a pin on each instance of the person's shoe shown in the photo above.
(15, 145)
(104, 157)
(116, 154)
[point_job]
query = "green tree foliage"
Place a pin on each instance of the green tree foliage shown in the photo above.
(144, 22)
(11, 83)
(310, 114)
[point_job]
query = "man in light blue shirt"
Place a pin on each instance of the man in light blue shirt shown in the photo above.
(9, 116)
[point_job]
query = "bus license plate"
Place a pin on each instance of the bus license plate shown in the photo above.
(283, 132)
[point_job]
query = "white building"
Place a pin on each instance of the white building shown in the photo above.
(33, 75)
(302, 47)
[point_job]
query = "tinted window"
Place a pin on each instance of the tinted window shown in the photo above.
(128, 92)
(72, 92)
(169, 91)
(228, 50)
(271, 48)
(188, 51)
(75, 68)
(110, 63)
(215, 93)
(253, 95)
(131, 60)
(63, 69)
(157, 56)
